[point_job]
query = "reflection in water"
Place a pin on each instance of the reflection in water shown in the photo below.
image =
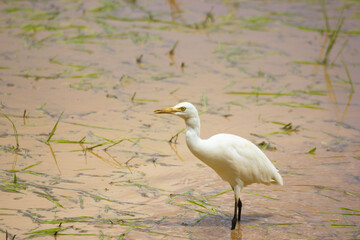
(331, 92)
(172, 53)
(332, 95)
(237, 233)
(113, 158)
(175, 11)
(15, 159)
(112, 161)
(346, 107)
(115, 164)
(329, 85)
(174, 148)
(351, 91)
(84, 151)
(53, 154)
(172, 59)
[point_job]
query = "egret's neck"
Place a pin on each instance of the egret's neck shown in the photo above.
(192, 129)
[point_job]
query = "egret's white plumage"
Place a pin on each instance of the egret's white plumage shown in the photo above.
(235, 159)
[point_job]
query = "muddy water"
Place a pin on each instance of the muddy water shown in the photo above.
(108, 170)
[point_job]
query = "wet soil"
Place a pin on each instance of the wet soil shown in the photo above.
(283, 74)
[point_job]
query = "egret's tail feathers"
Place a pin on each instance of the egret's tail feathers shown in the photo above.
(278, 179)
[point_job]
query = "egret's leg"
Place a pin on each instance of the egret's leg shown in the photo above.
(240, 207)
(234, 218)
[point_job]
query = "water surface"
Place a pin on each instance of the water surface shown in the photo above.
(283, 74)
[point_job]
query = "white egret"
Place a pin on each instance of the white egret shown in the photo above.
(235, 159)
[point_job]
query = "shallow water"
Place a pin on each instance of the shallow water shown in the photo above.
(108, 170)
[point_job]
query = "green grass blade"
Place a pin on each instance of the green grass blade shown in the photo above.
(15, 131)
(44, 232)
(278, 132)
(344, 225)
(333, 38)
(323, 8)
(93, 126)
(257, 93)
(312, 151)
(260, 195)
(218, 194)
(199, 211)
(54, 129)
(30, 166)
(15, 178)
(68, 141)
(126, 232)
(289, 93)
(349, 209)
(307, 62)
(341, 213)
(9, 189)
(288, 223)
(197, 203)
(299, 105)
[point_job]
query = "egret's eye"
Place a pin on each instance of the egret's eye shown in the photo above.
(182, 109)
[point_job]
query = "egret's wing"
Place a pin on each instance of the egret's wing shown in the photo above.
(235, 158)
(254, 164)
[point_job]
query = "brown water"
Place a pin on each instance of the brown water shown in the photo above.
(79, 57)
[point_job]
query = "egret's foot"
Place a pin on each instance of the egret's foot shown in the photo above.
(233, 223)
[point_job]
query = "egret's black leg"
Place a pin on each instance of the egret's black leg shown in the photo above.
(234, 218)
(240, 207)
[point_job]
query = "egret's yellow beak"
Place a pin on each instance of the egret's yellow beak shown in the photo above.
(167, 110)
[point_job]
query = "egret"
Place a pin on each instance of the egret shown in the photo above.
(235, 159)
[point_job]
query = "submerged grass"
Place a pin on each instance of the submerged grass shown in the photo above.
(75, 67)
(197, 203)
(258, 23)
(50, 198)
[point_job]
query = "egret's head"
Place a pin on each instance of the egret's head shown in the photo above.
(184, 110)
